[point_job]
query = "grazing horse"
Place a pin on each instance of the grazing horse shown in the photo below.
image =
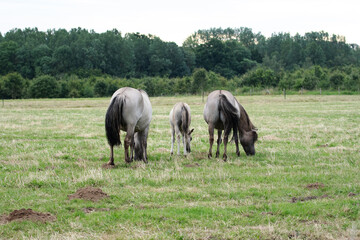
(180, 120)
(129, 110)
(223, 112)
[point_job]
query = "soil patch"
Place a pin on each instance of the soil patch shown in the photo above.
(303, 199)
(192, 165)
(3, 219)
(268, 213)
(107, 166)
(91, 209)
(315, 185)
(27, 214)
(89, 193)
(323, 145)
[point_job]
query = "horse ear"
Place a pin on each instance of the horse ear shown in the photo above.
(191, 131)
(255, 135)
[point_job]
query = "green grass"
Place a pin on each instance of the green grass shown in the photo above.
(50, 148)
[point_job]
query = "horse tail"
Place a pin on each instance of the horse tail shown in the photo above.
(184, 119)
(231, 116)
(113, 120)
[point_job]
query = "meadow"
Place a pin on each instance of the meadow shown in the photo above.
(303, 182)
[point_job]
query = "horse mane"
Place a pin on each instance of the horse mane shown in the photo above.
(142, 91)
(245, 122)
(231, 115)
(184, 119)
(113, 120)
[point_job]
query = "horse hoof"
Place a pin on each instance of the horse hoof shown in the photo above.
(111, 162)
(217, 155)
(209, 155)
(225, 158)
(238, 154)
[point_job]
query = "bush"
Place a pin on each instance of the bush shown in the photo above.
(44, 87)
(13, 86)
(101, 88)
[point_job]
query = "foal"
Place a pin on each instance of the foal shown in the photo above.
(180, 120)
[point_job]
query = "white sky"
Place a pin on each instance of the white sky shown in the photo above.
(176, 20)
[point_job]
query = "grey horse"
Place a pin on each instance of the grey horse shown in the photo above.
(129, 110)
(223, 112)
(180, 120)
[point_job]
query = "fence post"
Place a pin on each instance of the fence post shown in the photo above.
(320, 91)
(284, 93)
(339, 90)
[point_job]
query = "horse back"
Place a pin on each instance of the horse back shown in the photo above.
(136, 109)
(180, 116)
(212, 113)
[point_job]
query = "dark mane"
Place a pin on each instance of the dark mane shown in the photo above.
(245, 122)
(185, 119)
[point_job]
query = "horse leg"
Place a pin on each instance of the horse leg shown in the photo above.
(111, 160)
(145, 145)
(218, 143)
(211, 138)
(225, 146)
(129, 142)
(143, 140)
(178, 143)
(177, 131)
(172, 140)
(132, 148)
(184, 143)
(235, 135)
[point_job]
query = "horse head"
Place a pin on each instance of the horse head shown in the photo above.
(247, 140)
(188, 139)
(248, 132)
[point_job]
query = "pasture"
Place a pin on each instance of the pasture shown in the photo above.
(303, 182)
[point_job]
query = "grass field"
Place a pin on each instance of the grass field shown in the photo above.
(303, 182)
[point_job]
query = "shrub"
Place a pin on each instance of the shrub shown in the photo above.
(44, 87)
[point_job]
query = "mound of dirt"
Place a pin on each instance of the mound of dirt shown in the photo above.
(303, 199)
(315, 185)
(29, 215)
(89, 193)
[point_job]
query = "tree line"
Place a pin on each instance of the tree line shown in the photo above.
(82, 63)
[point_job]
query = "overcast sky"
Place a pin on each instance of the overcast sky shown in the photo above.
(176, 20)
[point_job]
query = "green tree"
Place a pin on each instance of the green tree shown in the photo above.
(101, 88)
(62, 58)
(309, 81)
(7, 57)
(352, 82)
(44, 86)
(315, 52)
(200, 80)
(13, 85)
(261, 76)
(337, 79)
(25, 61)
